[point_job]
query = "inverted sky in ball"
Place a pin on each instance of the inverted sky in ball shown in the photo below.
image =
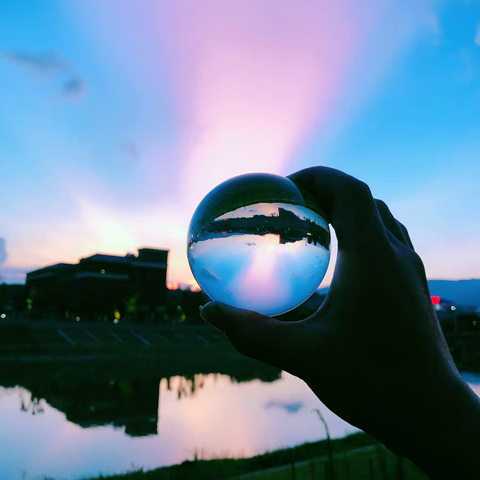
(257, 242)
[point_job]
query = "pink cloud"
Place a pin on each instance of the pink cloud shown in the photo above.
(256, 77)
(253, 80)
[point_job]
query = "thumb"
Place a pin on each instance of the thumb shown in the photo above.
(225, 317)
(253, 334)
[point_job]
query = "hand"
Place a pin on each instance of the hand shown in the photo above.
(374, 352)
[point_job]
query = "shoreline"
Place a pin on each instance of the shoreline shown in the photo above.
(356, 456)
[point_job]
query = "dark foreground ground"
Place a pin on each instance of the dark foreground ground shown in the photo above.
(355, 457)
(34, 342)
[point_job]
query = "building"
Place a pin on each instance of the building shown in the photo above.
(102, 287)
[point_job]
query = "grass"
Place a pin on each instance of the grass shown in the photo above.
(355, 457)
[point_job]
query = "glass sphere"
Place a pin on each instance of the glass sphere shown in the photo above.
(258, 242)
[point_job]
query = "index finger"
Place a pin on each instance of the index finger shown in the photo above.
(348, 204)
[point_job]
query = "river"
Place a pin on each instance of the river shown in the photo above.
(205, 415)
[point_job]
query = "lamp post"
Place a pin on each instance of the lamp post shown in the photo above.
(453, 309)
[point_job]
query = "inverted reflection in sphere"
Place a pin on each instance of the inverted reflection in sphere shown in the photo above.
(257, 242)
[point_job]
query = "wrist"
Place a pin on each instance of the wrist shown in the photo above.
(442, 436)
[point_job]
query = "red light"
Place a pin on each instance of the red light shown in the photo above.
(224, 233)
(435, 299)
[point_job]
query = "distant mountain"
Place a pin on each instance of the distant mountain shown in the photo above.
(463, 292)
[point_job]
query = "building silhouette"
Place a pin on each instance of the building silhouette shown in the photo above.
(102, 288)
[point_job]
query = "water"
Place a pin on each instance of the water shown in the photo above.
(220, 418)
(251, 252)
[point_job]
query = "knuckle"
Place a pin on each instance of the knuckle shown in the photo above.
(381, 205)
(357, 199)
(383, 210)
(402, 226)
(360, 188)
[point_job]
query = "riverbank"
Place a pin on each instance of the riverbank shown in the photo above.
(43, 342)
(355, 457)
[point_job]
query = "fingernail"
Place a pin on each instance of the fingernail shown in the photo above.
(211, 314)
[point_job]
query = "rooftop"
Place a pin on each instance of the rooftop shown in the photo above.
(101, 257)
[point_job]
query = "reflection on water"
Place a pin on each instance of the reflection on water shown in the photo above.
(113, 429)
(46, 433)
(264, 257)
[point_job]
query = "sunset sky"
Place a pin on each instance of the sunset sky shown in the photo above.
(118, 117)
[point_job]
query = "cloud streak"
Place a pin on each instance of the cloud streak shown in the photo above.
(51, 65)
(289, 407)
(73, 87)
(43, 63)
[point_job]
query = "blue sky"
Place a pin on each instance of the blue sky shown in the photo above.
(116, 119)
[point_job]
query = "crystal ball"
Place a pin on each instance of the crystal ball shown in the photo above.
(258, 242)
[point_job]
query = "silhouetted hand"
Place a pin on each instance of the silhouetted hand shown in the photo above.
(374, 352)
